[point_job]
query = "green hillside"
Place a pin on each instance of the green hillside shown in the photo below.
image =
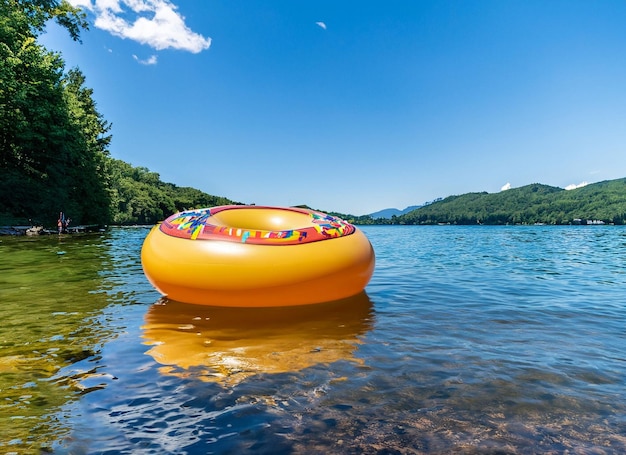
(530, 204)
(138, 196)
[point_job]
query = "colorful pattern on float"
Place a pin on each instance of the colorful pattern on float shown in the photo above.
(196, 225)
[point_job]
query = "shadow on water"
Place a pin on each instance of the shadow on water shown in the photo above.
(228, 345)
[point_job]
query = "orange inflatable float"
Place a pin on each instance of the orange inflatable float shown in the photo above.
(255, 256)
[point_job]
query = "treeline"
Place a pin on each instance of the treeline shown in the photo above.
(531, 204)
(54, 143)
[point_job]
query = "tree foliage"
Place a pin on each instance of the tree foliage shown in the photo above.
(52, 139)
(38, 12)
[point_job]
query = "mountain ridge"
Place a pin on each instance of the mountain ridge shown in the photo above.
(390, 212)
(603, 201)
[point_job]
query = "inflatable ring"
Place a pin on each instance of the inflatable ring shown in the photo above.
(255, 256)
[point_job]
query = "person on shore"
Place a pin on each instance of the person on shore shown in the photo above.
(61, 222)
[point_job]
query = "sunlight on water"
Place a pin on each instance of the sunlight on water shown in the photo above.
(467, 340)
(47, 307)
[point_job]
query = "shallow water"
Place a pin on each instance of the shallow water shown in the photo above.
(467, 340)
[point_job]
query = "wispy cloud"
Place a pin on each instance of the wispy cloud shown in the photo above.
(574, 186)
(152, 60)
(506, 186)
(155, 23)
(321, 24)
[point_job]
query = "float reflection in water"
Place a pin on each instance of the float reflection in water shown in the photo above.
(255, 256)
(228, 345)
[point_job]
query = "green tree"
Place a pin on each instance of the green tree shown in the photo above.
(32, 116)
(52, 139)
(38, 12)
(87, 181)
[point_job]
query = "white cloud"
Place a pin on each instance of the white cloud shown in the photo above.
(505, 187)
(321, 24)
(81, 3)
(574, 186)
(152, 60)
(155, 23)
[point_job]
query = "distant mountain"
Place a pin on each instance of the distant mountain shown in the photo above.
(388, 213)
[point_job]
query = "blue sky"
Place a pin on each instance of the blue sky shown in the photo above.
(359, 106)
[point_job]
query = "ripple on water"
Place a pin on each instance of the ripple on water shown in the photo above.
(471, 340)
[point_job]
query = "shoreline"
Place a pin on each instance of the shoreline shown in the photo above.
(26, 230)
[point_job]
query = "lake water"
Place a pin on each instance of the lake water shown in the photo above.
(508, 340)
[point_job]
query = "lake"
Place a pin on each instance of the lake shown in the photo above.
(473, 340)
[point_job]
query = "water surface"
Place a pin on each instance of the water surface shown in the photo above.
(467, 340)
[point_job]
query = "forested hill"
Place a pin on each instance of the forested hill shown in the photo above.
(530, 204)
(138, 196)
